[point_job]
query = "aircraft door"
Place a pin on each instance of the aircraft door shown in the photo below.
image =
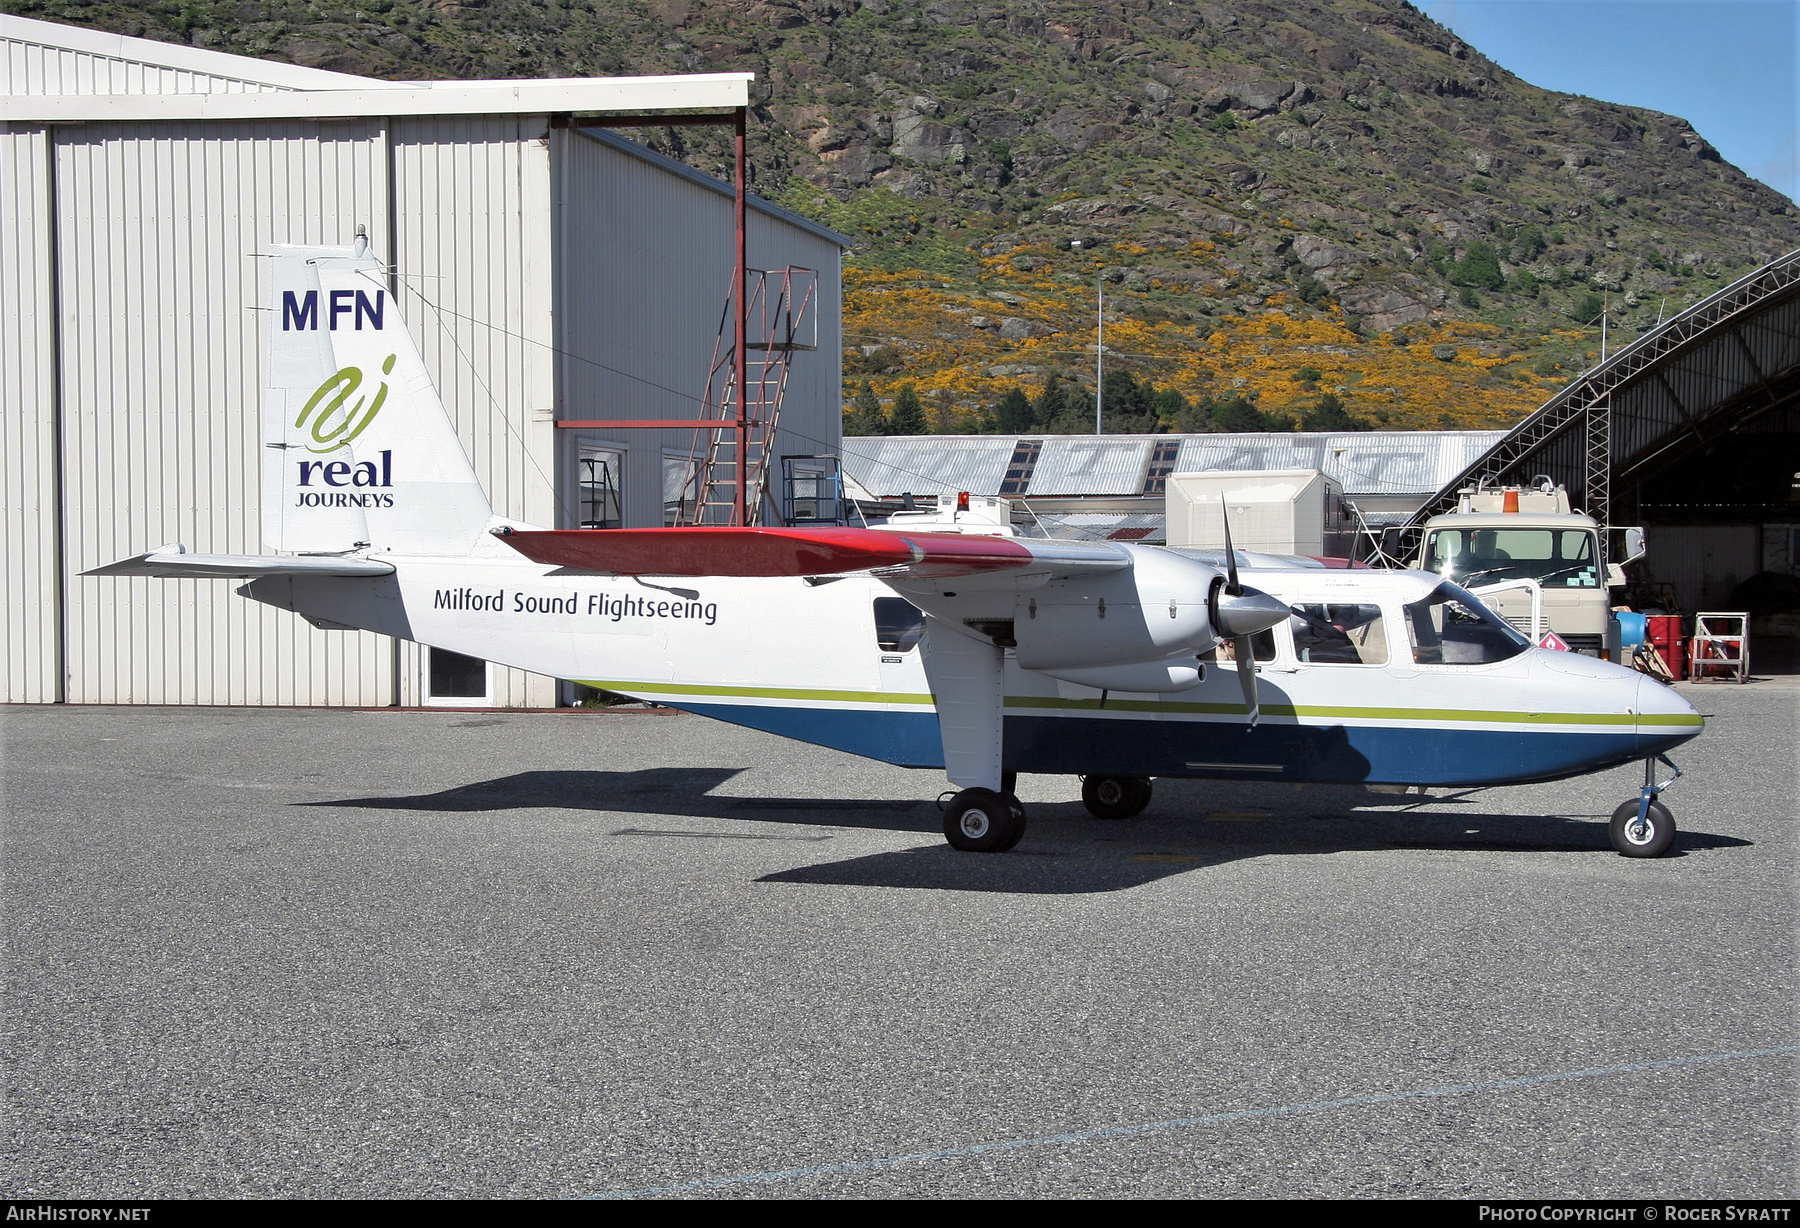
(899, 626)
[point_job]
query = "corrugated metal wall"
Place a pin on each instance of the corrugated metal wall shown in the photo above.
(161, 354)
(157, 289)
(645, 265)
(473, 257)
(30, 666)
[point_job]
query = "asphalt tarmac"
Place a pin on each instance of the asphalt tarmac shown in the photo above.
(341, 954)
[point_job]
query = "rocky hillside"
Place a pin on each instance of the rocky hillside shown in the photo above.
(1285, 200)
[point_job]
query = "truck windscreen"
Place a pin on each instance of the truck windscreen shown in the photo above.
(1555, 558)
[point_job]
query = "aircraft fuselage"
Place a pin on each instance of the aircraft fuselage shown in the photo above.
(804, 660)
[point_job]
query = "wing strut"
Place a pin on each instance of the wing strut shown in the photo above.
(966, 684)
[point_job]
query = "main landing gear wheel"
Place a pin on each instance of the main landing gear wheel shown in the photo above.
(983, 821)
(1654, 837)
(1115, 797)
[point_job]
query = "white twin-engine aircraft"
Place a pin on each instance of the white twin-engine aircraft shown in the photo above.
(939, 640)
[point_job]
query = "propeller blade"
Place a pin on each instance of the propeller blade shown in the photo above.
(1232, 587)
(1246, 668)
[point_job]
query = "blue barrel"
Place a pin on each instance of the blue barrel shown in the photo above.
(1632, 629)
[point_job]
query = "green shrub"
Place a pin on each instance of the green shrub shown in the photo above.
(1479, 266)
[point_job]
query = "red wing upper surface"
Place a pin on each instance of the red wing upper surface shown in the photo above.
(708, 551)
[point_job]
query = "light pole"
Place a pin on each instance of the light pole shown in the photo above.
(1099, 346)
(1099, 335)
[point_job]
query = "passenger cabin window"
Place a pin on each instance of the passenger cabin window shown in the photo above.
(1450, 627)
(899, 625)
(1262, 647)
(1339, 634)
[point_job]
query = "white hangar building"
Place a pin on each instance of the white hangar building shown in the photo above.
(551, 272)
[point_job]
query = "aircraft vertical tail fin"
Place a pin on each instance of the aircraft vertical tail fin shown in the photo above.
(357, 447)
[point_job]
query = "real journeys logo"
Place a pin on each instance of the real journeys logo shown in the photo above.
(333, 422)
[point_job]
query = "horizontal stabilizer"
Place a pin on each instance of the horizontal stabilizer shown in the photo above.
(706, 551)
(174, 563)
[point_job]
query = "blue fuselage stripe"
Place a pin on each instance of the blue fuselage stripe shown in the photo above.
(1344, 754)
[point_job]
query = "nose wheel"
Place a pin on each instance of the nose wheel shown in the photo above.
(1115, 797)
(983, 821)
(1643, 826)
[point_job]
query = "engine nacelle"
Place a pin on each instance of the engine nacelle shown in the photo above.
(1155, 610)
(1152, 677)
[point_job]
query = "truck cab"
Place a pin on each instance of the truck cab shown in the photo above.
(1497, 536)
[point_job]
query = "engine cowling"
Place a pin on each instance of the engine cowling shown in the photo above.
(1155, 610)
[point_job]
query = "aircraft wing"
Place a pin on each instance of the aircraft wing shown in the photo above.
(708, 551)
(1254, 560)
(175, 563)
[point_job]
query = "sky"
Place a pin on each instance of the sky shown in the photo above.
(1729, 67)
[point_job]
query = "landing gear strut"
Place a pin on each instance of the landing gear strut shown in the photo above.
(983, 821)
(1115, 797)
(1643, 827)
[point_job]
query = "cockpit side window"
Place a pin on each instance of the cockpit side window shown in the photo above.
(1451, 627)
(899, 625)
(1339, 634)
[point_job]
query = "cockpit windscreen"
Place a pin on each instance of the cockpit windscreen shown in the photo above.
(1451, 627)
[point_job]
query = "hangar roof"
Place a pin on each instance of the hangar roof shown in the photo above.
(52, 73)
(1400, 463)
(1728, 364)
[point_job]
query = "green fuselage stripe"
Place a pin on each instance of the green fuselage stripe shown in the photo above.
(760, 692)
(1056, 703)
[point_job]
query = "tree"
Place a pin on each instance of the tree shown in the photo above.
(1170, 407)
(1127, 405)
(1329, 414)
(1238, 415)
(865, 417)
(1013, 415)
(908, 417)
(943, 410)
(1049, 403)
(1077, 414)
(1588, 307)
(1529, 243)
(1479, 267)
(1196, 419)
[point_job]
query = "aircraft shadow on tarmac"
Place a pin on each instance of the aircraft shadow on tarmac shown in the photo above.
(1065, 851)
(663, 792)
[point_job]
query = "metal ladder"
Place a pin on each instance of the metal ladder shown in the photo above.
(1720, 647)
(782, 319)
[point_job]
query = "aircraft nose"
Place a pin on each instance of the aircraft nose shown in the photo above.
(1664, 719)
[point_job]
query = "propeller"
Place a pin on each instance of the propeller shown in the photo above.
(1239, 613)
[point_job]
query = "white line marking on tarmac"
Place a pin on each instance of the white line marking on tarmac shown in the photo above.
(1181, 1123)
